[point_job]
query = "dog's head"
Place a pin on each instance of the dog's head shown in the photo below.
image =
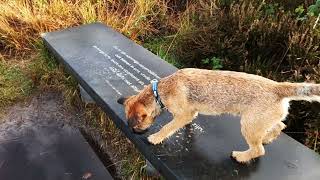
(139, 116)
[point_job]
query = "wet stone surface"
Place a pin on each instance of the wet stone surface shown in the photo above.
(40, 140)
(108, 65)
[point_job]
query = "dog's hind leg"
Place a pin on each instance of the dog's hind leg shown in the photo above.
(273, 133)
(178, 122)
(275, 130)
(254, 128)
(253, 137)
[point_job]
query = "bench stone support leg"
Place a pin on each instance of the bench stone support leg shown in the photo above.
(85, 97)
(150, 170)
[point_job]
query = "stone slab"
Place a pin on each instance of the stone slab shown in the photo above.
(49, 153)
(109, 65)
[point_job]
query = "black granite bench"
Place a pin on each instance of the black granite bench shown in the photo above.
(49, 153)
(108, 65)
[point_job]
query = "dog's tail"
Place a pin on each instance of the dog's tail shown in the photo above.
(299, 91)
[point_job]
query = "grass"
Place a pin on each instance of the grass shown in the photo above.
(161, 48)
(22, 21)
(14, 85)
(243, 35)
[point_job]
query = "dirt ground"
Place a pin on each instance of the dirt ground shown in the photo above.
(46, 109)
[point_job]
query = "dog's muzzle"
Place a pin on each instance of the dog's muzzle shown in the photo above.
(138, 131)
(133, 125)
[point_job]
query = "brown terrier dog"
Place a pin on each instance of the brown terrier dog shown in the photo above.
(261, 103)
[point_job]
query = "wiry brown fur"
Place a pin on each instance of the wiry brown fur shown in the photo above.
(261, 103)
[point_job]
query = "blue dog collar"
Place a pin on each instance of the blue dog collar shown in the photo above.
(154, 84)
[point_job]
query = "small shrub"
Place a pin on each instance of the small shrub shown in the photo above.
(247, 38)
(213, 63)
(291, 5)
(314, 9)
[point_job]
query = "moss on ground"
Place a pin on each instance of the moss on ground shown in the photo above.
(14, 84)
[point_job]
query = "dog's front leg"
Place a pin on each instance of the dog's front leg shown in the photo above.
(169, 129)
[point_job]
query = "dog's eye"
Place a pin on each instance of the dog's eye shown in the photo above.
(143, 116)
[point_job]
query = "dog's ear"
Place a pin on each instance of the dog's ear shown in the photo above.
(122, 100)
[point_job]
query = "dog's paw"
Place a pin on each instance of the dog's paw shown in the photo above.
(154, 139)
(241, 157)
(267, 141)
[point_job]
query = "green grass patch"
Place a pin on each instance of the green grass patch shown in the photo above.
(14, 84)
(48, 74)
(161, 47)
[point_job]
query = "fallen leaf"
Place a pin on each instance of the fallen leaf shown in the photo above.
(87, 175)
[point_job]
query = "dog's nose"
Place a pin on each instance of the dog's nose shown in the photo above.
(134, 130)
(138, 131)
(132, 123)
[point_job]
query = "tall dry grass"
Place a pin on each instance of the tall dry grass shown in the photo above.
(22, 21)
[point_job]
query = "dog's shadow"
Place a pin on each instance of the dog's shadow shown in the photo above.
(210, 162)
(203, 154)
